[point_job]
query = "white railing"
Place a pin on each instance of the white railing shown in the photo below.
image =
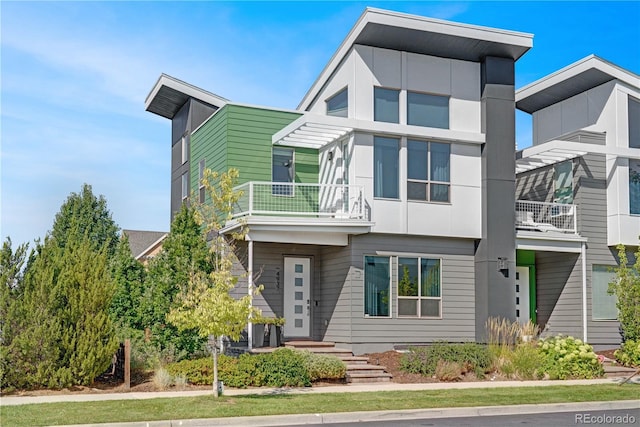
(541, 216)
(303, 200)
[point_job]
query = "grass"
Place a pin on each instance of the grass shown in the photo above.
(208, 407)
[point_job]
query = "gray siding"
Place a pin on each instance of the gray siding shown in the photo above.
(333, 315)
(558, 275)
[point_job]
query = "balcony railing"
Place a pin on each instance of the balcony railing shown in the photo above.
(300, 200)
(541, 216)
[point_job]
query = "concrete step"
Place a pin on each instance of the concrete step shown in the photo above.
(302, 344)
(618, 371)
(365, 369)
(360, 378)
(355, 360)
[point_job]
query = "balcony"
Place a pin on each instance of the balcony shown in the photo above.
(343, 202)
(546, 217)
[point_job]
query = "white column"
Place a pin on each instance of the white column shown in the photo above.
(583, 256)
(250, 289)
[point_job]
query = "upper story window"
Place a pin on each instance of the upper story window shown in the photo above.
(201, 189)
(385, 167)
(563, 182)
(634, 123)
(185, 148)
(428, 171)
(282, 170)
(427, 110)
(338, 104)
(419, 293)
(386, 105)
(634, 187)
(185, 186)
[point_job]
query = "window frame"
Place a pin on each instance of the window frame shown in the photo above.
(339, 111)
(288, 189)
(184, 147)
(184, 186)
(201, 188)
(634, 174)
(593, 299)
(418, 298)
(429, 182)
(375, 99)
(633, 126)
(435, 95)
(389, 288)
(397, 171)
(565, 200)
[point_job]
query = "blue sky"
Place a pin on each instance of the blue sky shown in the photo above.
(74, 77)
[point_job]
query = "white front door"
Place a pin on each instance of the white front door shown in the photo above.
(297, 298)
(522, 294)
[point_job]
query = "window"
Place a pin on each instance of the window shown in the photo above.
(428, 171)
(185, 148)
(563, 182)
(338, 104)
(386, 105)
(385, 167)
(282, 171)
(427, 110)
(377, 286)
(185, 185)
(419, 293)
(201, 189)
(603, 305)
(634, 123)
(634, 187)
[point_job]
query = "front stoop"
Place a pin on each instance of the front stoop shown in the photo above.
(359, 370)
(616, 371)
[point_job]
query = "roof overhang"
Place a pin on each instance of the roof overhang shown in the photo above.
(428, 36)
(308, 231)
(169, 94)
(315, 131)
(576, 78)
(549, 241)
(557, 151)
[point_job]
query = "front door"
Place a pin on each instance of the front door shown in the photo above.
(522, 294)
(297, 298)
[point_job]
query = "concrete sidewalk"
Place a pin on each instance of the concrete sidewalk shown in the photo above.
(356, 388)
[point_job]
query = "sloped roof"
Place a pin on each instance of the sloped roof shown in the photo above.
(141, 241)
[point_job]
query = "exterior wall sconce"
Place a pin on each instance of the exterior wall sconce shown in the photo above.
(330, 156)
(503, 266)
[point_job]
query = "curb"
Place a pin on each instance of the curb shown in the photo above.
(381, 416)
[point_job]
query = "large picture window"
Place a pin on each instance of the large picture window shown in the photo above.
(385, 167)
(377, 286)
(419, 287)
(563, 182)
(634, 187)
(386, 105)
(428, 171)
(282, 171)
(603, 305)
(427, 110)
(338, 104)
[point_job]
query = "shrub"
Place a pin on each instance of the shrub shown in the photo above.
(526, 361)
(448, 371)
(502, 334)
(284, 368)
(629, 353)
(424, 360)
(180, 382)
(200, 371)
(323, 367)
(162, 379)
(569, 358)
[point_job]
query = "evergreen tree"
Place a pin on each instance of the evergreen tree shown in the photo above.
(128, 276)
(184, 252)
(84, 214)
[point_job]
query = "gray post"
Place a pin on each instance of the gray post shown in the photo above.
(495, 253)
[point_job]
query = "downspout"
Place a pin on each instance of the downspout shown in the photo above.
(583, 255)
(250, 291)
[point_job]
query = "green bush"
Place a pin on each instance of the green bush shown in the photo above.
(629, 353)
(526, 361)
(323, 366)
(200, 371)
(470, 356)
(284, 368)
(567, 357)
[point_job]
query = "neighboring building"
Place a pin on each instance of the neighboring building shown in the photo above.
(585, 165)
(381, 210)
(145, 244)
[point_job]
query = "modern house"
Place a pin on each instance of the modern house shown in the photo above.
(578, 192)
(382, 211)
(144, 244)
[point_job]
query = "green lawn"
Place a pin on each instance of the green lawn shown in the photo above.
(208, 407)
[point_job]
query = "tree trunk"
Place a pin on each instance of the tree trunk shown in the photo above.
(215, 368)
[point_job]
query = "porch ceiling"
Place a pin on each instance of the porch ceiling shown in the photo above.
(549, 241)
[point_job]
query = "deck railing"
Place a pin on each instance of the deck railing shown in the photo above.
(542, 216)
(300, 200)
